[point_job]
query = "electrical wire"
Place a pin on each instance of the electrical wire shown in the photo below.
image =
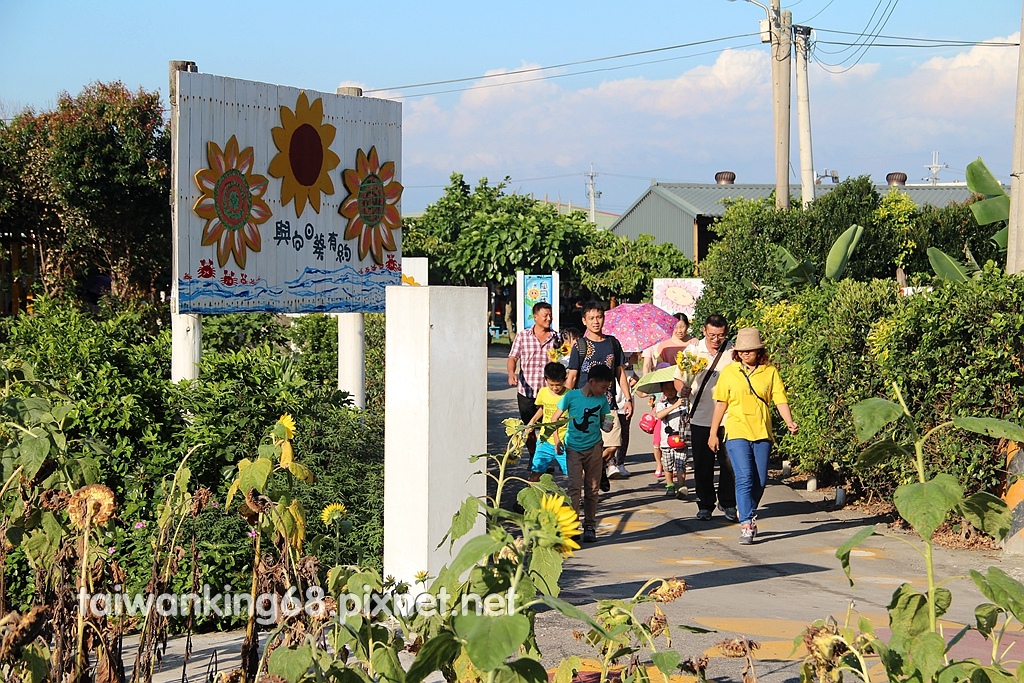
(869, 34)
(931, 45)
(807, 21)
(566, 64)
(858, 53)
(573, 73)
(923, 40)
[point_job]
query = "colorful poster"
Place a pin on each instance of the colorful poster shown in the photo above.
(678, 294)
(286, 200)
(536, 288)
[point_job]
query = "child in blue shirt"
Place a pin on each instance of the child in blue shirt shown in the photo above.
(586, 409)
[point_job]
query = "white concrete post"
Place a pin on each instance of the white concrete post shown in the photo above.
(351, 329)
(435, 418)
(352, 357)
(186, 330)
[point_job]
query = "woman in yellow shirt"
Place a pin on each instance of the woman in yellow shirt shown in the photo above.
(742, 396)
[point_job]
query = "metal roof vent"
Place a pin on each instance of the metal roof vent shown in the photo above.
(896, 179)
(725, 177)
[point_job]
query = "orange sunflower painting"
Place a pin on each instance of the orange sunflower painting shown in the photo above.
(304, 159)
(232, 202)
(371, 205)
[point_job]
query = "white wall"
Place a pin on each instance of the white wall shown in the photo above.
(435, 418)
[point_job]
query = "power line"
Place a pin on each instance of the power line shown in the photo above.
(868, 43)
(925, 40)
(869, 33)
(807, 21)
(573, 73)
(919, 45)
(566, 64)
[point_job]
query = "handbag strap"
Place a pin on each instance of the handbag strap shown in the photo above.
(747, 377)
(707, 376)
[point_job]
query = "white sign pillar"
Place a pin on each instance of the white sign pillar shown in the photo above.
(435, 419)
(352, 357)
(186, 329)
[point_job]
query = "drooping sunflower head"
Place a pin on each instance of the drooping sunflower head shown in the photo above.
(556, 524)
(335, 512)
(288, 422)
(669, 590)
(94, 503)
(304, 160)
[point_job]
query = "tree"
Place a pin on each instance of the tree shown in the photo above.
(612, 265)
(481, 238)
(94, 188)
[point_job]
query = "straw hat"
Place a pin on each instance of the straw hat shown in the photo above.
(748, 339)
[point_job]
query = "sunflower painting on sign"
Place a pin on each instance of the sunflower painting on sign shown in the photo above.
(677, 294)
(286, 200)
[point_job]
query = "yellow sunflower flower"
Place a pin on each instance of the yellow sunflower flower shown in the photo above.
(560, 523)
(304, 159)
(289, 425)
(335, 512)
(94, 501)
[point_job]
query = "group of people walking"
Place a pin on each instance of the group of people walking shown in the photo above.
(725, 409)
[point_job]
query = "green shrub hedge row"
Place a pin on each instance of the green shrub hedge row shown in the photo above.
(957, 349)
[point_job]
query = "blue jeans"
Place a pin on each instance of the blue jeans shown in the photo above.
(750, 464)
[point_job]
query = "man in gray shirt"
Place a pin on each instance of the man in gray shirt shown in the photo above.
(702, 407)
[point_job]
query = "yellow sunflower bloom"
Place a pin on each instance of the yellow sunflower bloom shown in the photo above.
(304, 160)
(289, 425)
(561, 521)
(335, 512)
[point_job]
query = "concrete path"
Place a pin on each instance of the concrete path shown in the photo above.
(768, 592)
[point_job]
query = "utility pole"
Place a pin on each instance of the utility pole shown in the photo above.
(781, 28)
(934, 168)
(1015, 238)
(592, 193)
(802, 35)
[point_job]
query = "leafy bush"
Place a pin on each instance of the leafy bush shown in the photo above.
(114, 364)
(958, 348)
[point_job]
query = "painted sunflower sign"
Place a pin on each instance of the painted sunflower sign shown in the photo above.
(287, 200)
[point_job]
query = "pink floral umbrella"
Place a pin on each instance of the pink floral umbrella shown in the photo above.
(638, 326)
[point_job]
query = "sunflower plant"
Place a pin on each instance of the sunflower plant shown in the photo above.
(918, 650)
(510, 571)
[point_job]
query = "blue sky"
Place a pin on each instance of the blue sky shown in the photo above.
(680, 119)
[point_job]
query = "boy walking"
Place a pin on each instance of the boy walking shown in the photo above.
(586, 408)
(547, 402)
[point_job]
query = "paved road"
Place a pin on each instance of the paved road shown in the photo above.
(768, 592)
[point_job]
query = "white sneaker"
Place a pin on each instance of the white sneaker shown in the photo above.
(613, 472)
(623, 471)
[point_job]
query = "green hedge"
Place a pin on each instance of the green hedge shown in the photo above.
(955, 350)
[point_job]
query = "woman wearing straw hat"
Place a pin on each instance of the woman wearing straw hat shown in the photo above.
(746, 389)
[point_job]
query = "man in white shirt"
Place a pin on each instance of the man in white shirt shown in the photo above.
(702, 407)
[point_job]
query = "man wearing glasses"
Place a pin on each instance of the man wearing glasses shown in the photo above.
(702, 408)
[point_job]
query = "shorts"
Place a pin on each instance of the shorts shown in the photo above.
(673, 460)
(613, 438)
(543, 456)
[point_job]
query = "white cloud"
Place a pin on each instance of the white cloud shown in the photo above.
(716, 116)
